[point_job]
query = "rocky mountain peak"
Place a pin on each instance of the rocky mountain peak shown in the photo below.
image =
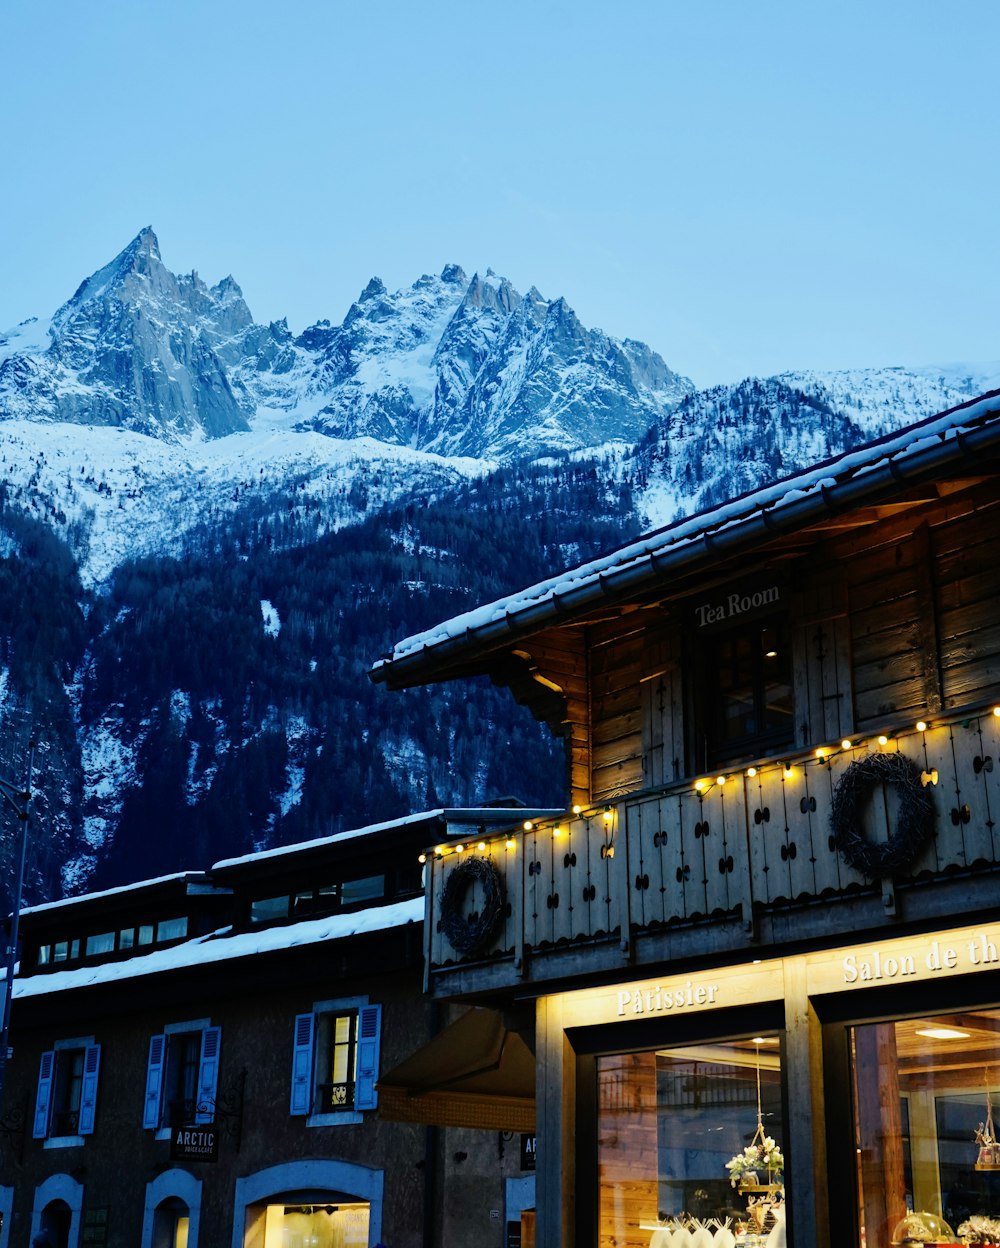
(453, 274)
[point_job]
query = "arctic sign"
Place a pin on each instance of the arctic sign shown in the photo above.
(195, 1143)
(734, 604)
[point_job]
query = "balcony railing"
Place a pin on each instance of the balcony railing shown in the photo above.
(714, 847)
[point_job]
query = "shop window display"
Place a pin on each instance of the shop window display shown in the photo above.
(690, 1142)
(928, 1161)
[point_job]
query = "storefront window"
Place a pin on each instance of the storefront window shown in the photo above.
(678, 1130)
(316, 1226)
(926, 1095)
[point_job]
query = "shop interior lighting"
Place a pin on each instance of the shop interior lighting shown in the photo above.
(942, 1033)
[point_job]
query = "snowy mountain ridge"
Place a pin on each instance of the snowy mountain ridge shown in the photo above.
(149, 403)
(450, 365)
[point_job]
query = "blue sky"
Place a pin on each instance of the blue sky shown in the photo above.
(746, 187)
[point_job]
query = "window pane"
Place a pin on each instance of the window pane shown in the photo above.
(61, 951)
(181, 1079)
(368, 889)
(104, 943)
(44, 955)
(924, 1093)
(171, 929)
(69, 1083)
(267, 909)
(671, 1126)
(126, 938)
(146, 934)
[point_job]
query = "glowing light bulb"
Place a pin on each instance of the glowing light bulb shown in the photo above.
(699, 786)
(720, 780)
(459, 849)
(921, 726)
(557, 830)
(510, 842)
(481, 846)
(421, 858)
(577, 810)
(609, 814)
(751, 772)
(528, 825)
(845, 744)
(883, 739)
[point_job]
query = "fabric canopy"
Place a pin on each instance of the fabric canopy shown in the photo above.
(474, 1073)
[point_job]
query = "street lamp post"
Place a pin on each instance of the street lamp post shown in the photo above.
(18, 798)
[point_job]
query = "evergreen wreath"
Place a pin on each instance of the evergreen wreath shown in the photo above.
(463, 936)
(914, 824)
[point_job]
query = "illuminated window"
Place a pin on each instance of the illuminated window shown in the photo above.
(335, 1060)
(674, 1130)
(926, 1094)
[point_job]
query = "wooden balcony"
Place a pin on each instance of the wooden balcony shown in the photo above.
(740, 860)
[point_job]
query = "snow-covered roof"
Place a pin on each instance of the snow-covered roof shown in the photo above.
(120, 891)
(849, 480)
(221, 947)
(320, 842)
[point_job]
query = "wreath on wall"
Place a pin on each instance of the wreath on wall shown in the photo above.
(914, 822)
(465, 937)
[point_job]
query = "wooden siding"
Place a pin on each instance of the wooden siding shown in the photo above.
(662, 700)
(616, 655)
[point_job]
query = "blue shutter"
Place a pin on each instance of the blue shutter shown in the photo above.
(369, 1030)
(208, 1074)
(46, 1073)
(88, 1093)
(154, 1082)
(302, 1064)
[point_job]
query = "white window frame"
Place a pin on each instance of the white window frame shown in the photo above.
(87, 1044)
(173, 1029)
(336, 1005)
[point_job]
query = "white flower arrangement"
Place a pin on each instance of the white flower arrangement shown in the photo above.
(761, 1158)
(980, 1230)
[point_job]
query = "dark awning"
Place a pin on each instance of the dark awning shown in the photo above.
(474, 1073)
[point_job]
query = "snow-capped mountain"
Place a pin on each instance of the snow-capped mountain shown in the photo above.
(451, 365)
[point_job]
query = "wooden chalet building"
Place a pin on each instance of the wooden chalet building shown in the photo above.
(771, 909)
(195, 1061)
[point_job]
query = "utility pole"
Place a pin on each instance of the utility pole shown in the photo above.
(18, 799)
